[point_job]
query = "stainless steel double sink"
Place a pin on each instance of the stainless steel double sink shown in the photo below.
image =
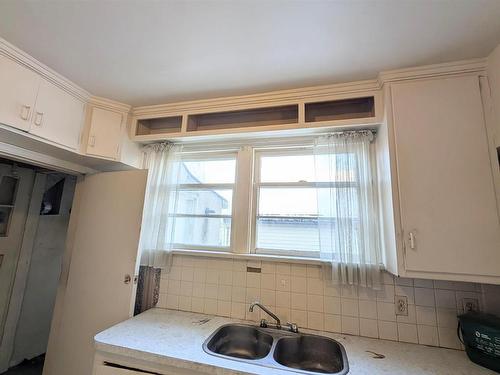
(280, 349)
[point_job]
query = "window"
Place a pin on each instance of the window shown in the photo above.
(285, 200)
(286, 210)
(203, 208)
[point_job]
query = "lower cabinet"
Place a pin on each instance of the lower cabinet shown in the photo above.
(117, 364)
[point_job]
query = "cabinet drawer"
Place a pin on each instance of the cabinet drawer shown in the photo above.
(110, 369)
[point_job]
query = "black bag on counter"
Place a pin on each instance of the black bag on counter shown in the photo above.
(481, 338)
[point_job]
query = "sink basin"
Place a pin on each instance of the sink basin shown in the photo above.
(310, 353)
(281, 349)
(241, 342)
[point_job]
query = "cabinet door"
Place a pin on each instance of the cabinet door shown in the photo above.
(103, 238)
(445, 179)
(105, 133)
(19, 86)
(58, 116)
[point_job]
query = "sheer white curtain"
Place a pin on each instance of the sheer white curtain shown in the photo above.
(347, 208)
(163, 162)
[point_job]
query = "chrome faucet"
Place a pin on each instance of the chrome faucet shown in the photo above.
(263, 322)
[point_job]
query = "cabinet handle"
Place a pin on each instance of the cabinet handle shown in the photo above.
(38, 118)
(92, 141)
(411, 239)
(25, 112)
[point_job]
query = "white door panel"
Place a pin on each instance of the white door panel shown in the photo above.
(103, 243)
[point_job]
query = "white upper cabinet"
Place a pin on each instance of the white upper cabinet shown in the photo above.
(19, 87)
(105, 133)
(449, 217)
(58, 116)
(31, 103)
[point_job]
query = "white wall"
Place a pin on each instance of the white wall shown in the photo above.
(33, 327)
(494, 81)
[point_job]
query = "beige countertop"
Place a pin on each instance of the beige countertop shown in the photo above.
(175, 338)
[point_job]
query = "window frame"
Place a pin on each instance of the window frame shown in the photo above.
(244, 213)
(257, 184)
(207, 156)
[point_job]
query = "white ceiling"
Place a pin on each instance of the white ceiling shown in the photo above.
(150, 52)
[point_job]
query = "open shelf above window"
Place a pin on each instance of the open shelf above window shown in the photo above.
(245, 118)
(206, 120)
(161, 125)
(342, 109)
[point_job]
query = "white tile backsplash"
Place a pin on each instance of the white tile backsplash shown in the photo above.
(426, 315)
(424, 297)
(445, 298)
(368, 327)
(332, 305)
(407, 333)
(333, 323)
(367, 309)
(350, 325)
(349, 307)
(298, 293)
(388, 330)
(427, 335)
(386, 311)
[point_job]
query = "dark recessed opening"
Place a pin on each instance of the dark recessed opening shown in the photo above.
(159, 125)
(340, 109)
(281, 115)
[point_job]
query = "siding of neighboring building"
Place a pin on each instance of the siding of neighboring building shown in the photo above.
(201, 231)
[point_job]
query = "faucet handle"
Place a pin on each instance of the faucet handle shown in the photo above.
(293, 327)
(263, 323)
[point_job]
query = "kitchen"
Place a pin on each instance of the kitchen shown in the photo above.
(273, 187)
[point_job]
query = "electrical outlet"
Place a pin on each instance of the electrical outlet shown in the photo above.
(402, 305)
(470, 304)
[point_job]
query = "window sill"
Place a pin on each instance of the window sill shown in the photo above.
(261, 257)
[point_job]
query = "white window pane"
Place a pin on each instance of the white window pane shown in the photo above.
(207, 171)
(349, 235)
(335, 168)
(205, 202)
(288, 234)
(320, 167)
(288, 201)
(201, 231)
(287, 168)
(342, 202)
(339, 203)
